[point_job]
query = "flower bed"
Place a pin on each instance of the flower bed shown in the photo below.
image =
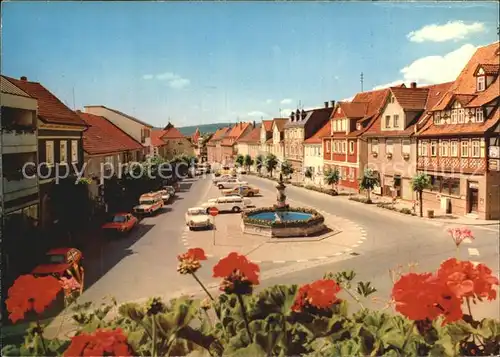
(361, 200)
(435, 316)
(315, 219)
(390, 206)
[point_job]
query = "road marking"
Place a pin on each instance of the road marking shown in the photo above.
(467, 241)
(302, 260)
(279, 261)
(473, 251)
(322, 257)
(355, 245)
(338, 253)
(257, 261)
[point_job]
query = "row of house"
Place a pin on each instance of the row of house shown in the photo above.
(43, 137)
(450, 131)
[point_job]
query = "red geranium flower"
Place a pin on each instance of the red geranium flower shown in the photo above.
(189, 262)
(467, 280)
(99, 343)
(424, 296)
(460, 234)
(235, 269)
(320, 294)
(30, 293)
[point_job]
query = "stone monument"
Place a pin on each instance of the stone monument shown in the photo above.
(281, 197)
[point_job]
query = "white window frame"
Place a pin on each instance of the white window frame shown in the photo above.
(464, 148)
(481, 83)
(454, 116)
(74, 151)
(49, 148)
(406, 146)
(437, 118)
(389, 147)
(445, 148)
(434, 148)
(351, 147)
(395, 120)
(424, 148)
(476, 145)
(63, 151)
(479, 115)
(461, 116)
(454, 148)
(344, 147)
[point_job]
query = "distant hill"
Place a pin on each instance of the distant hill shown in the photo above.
(204, 128)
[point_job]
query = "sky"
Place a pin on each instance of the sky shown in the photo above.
(197, 63)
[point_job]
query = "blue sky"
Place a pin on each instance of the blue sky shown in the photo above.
(199, 63)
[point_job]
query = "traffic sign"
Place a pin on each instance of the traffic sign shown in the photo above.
(213, 211)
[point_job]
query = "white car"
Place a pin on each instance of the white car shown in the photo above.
(197, 217)
(231, 183)
(228, 203)
(165, 195)
(220, 178)
(241, 171)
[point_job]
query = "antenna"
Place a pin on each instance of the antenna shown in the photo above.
(361, 79)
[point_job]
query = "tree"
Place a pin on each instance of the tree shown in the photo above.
(248, 161)
(271, 162)
(259, 162)
(309, 173)
(419, 183)
(368, 182)
(240, 159)
(286, 168)
(332, 177)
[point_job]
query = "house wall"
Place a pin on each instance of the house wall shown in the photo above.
(242, 149)
(313, 158)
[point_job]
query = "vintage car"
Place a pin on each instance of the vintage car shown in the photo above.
(62, 262)
(231, 183)
(149, 203)
(197, 217)
(228, 204)
(243, 190)
(165, 195)
(120, 223)
(170, 189)
(241, 171)
(220, 178)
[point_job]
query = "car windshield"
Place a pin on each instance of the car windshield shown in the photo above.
(119, 219)
(197, 212)
(56, 258)
(146, 202)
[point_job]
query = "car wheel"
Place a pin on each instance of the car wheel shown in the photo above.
(220, 187)
(250, 194)
(190, 228)
(236, 209)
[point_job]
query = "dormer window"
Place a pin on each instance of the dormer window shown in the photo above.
(481, 83)
(338, 110)
(479, 115)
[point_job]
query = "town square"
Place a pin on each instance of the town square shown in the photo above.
(222, 179)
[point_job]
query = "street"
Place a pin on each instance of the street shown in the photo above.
(144, 263)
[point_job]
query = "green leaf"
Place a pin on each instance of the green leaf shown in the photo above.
(11, 350)
(253, 350)
(489, 328)
(133, 311)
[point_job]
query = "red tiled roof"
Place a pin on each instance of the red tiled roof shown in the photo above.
(156, 135)
(50, 108)
(436, 92)
(466, 81)
(280, 123)
(268, 125)
(238, 129)
(172, 133)
(103, 137)
(196, 135)
(410, 98)
(219, 134)
(253, 136)
(354, 109)
(490, 69)
(321, 133)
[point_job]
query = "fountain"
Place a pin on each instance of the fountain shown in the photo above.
(281, 220)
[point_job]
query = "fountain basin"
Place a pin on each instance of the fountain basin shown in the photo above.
(280, 223)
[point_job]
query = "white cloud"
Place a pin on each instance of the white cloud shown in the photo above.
(179, 83)
(390, 84)
(348, 99)
(452, 30)
(286, 101)
(285, 113)
(173, 80)
(336, 78)
(435, 69)
(256, 114)
(269, 101)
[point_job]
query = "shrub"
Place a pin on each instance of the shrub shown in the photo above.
(406, 211)
(361, 199)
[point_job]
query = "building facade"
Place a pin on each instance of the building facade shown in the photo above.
(313, 155)
(278, 138)
(214, 149)
(228, 143)
(459, 145)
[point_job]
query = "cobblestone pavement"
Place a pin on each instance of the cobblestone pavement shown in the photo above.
(344, 239)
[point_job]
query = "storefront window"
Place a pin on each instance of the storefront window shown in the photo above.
(436, 183)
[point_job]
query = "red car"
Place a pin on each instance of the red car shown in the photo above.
(121, 223)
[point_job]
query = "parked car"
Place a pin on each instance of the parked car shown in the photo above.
(228, 203)
(165, 195)
(62, 262)
(241, 171)
(170, 190)
(149, 203)
(231, 183)
(220, 178)
(243, 190)
(197, 217)
(120, 223)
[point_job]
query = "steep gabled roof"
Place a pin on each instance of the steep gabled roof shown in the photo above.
(121, 113)
(172, 133)
(103, 137)
(321, 133)
(268, 125)
(311, 115)
(156, 137)
(354, 109)
(218, 135)
(253, 136)
(50, 108)
(10, 88)
(280, 123)
(238, 129)
(410, 98)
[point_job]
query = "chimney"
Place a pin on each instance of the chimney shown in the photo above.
(413, 84)
(297, 115)
(253, 124)
(292, 116)
(303, 114)
(326, 104)
(24, 78)
(332, 102)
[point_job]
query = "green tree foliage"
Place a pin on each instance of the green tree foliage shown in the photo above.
(332, 177)
(271, 162)
(419, 183)
(309, 173)
(240, 160)
(368, 182)
(286, 168)
(248, 161)
(259, 163)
